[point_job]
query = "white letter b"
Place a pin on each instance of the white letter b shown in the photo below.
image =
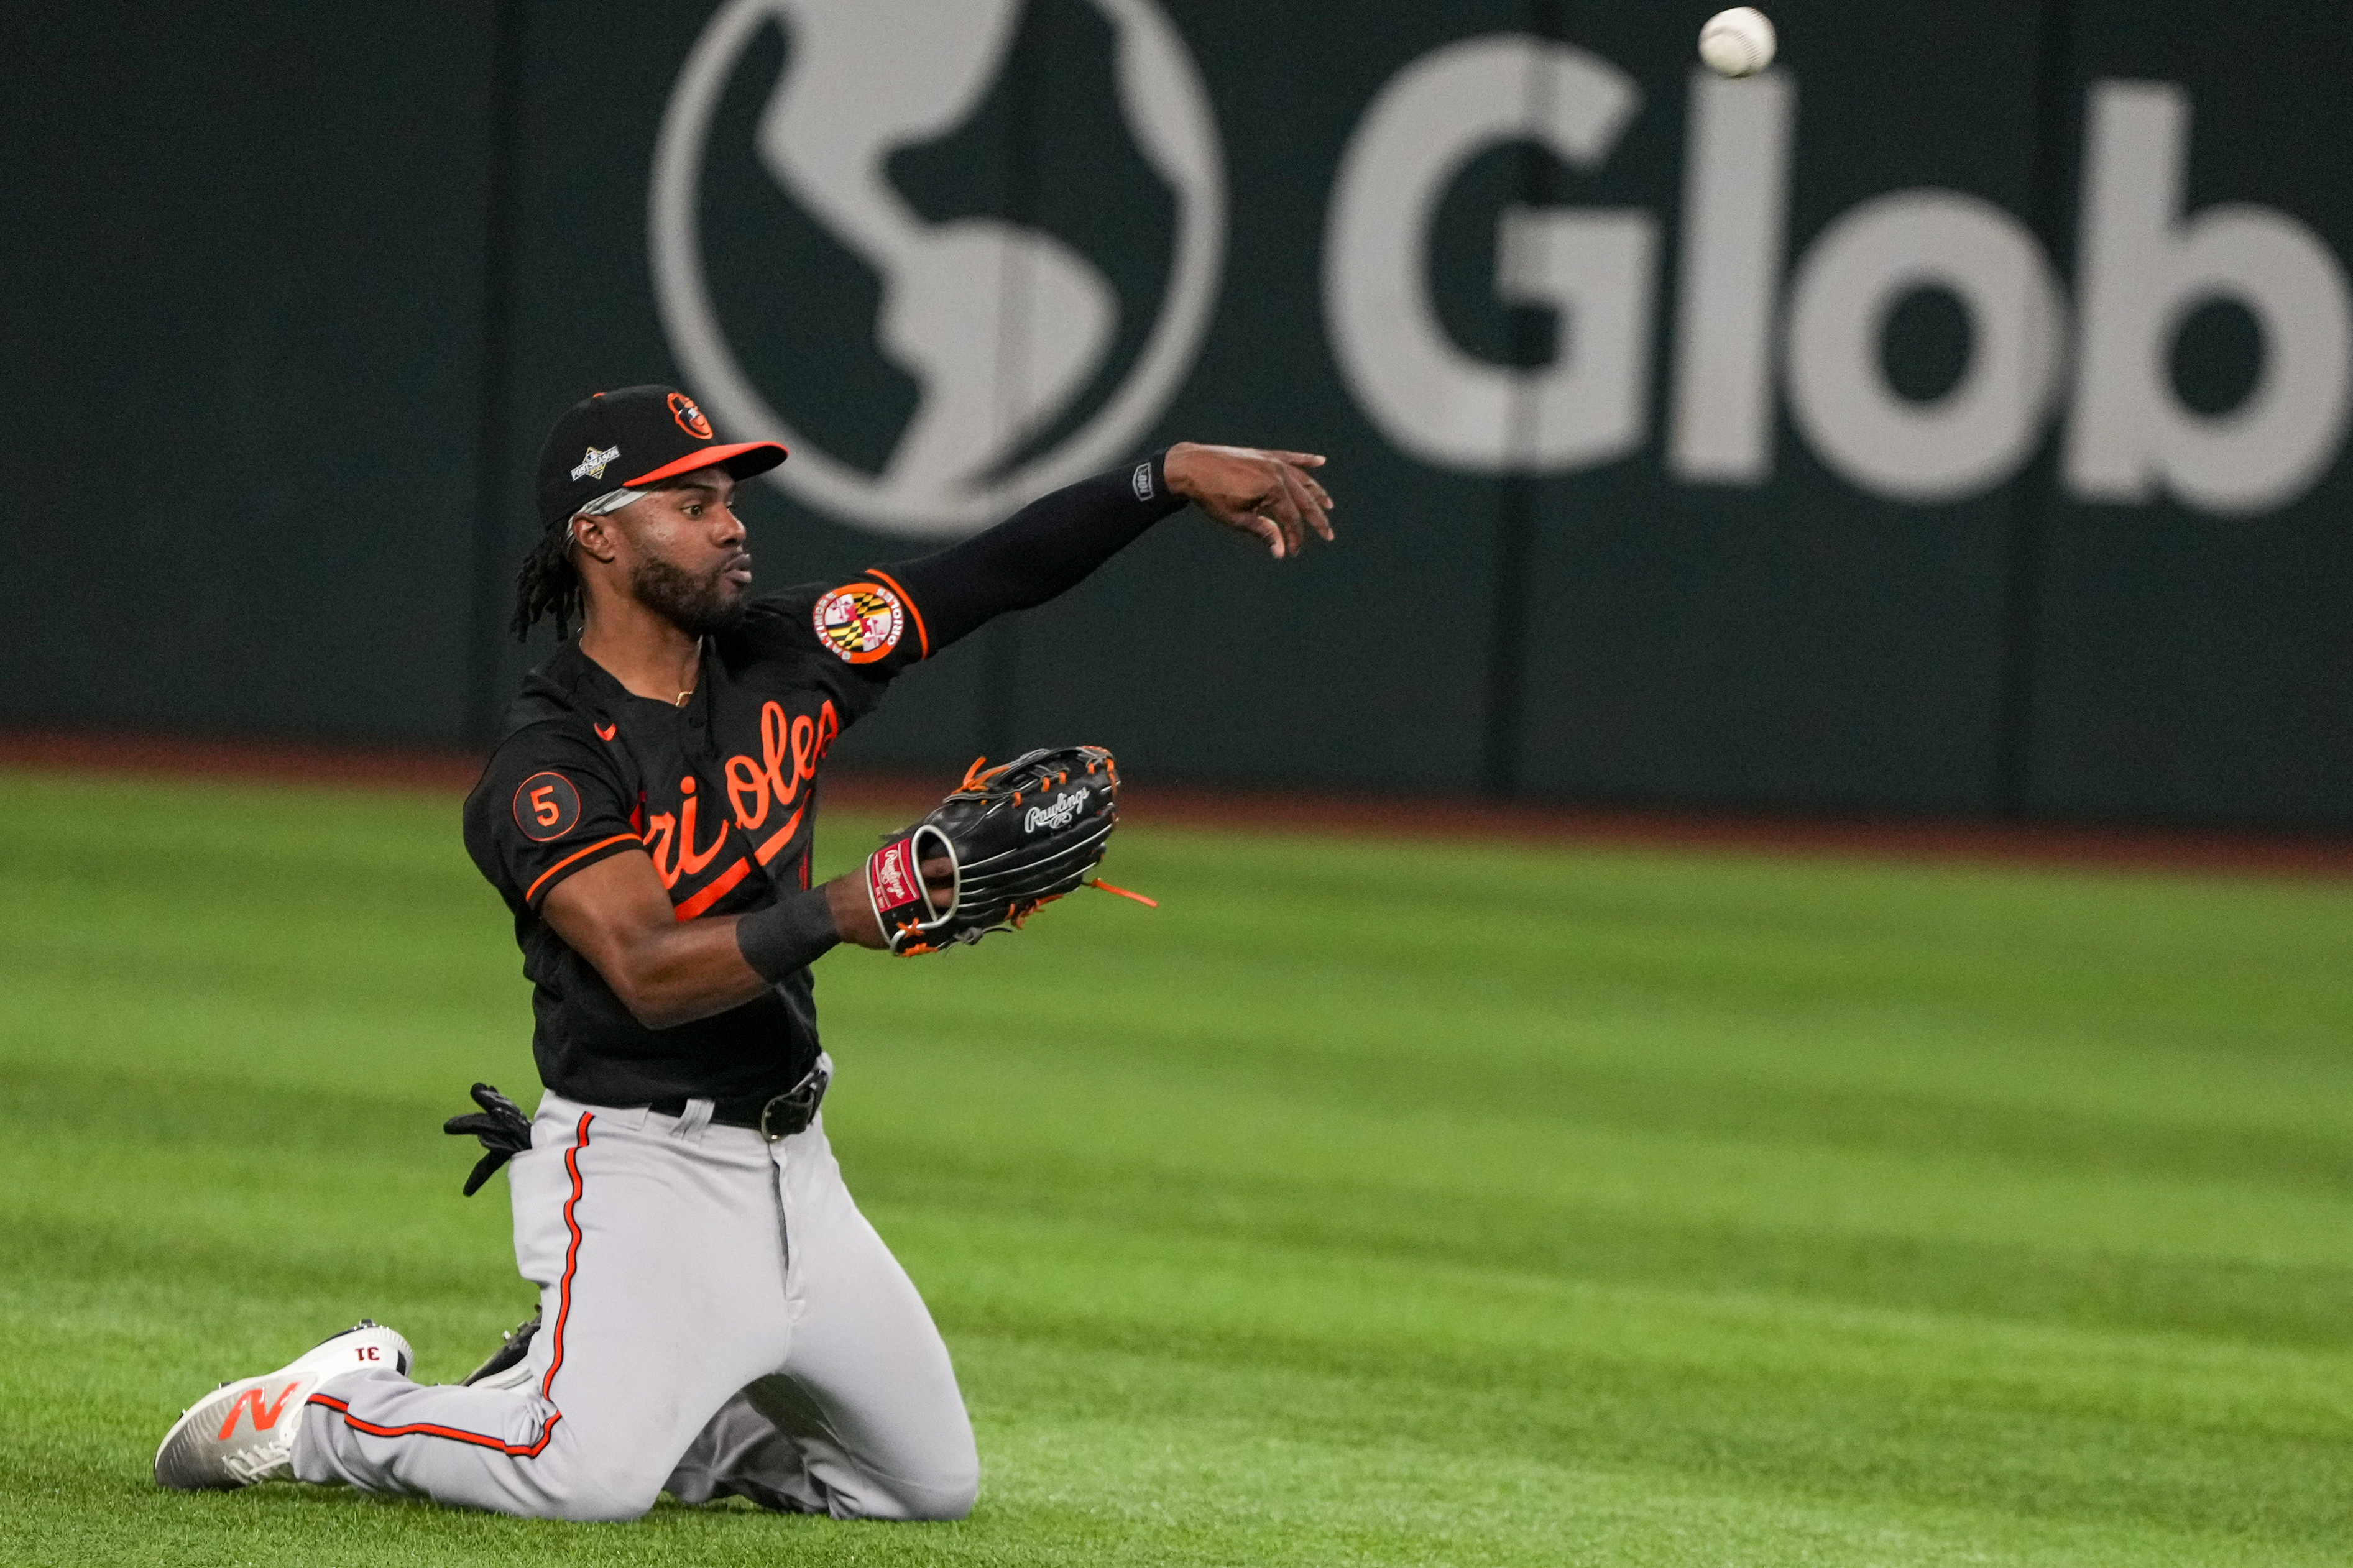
(2143, 270)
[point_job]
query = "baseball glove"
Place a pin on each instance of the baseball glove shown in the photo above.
(1016, 837)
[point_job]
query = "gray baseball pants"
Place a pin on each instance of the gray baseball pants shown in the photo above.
(717, 1319)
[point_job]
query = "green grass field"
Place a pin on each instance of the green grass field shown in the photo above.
(1366, 1203)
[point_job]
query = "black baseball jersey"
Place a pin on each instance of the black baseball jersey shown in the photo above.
(721, 792)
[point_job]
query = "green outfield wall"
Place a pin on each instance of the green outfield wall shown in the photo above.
(1952, 419)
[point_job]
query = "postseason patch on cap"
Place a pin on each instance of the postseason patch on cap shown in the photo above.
(859, 622)
(594, 465)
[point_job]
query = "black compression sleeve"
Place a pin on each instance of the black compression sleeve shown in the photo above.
(1045, 547)
(791, 933)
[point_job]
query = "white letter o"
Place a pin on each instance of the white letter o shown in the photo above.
(1975, 435)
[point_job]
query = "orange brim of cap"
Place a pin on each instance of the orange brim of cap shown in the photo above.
(761, 455)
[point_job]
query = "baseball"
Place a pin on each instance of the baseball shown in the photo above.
(1738, 42)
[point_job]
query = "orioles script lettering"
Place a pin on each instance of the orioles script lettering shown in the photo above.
(770, 785)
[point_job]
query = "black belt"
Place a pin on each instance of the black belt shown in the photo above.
(773, 1116)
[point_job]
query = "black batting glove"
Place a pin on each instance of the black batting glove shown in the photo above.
(502, 1126)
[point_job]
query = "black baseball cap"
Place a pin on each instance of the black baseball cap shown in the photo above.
(628, 439)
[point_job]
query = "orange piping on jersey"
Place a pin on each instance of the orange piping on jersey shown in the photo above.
(923, 636)
(563, 1312)
(716, 891)
(552, 871)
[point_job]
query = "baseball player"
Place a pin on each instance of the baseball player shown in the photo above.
(717, 1317)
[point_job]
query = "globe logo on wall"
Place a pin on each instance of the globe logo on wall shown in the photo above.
(1023, 366)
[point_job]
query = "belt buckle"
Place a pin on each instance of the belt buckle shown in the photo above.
(798, 1105)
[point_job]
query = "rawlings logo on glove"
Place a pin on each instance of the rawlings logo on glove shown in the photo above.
(1004, 859)
(1058, 815)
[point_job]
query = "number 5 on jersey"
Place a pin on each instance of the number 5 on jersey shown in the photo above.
(546, 807)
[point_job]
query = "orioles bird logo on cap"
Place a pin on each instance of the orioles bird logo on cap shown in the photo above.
(689, 418)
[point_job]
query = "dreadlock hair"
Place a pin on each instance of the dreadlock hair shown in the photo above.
(548, 585)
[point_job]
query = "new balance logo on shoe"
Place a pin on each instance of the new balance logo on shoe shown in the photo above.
(265, 1416)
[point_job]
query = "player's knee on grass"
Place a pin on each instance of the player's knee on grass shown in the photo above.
(944, 1490)
(597, 1490)
(950, 1502)
(599, 1504)
(914, 1502)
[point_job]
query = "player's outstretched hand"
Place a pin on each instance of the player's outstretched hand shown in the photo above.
(1272, 495)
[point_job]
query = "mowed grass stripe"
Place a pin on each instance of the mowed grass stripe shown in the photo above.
(1366, 1203)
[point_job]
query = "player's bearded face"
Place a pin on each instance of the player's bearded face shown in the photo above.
(697, 603)
(691, 568)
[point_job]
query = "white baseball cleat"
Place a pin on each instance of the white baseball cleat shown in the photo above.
(243, 1432)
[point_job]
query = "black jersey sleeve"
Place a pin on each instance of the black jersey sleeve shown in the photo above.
(866, 629)
(1041, 551)
(551, 803)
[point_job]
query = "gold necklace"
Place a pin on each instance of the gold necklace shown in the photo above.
(681, 700)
